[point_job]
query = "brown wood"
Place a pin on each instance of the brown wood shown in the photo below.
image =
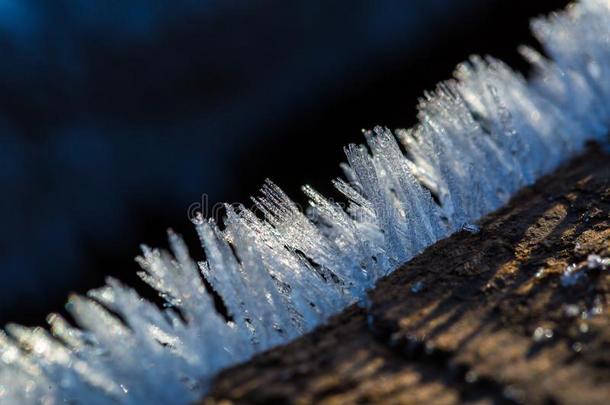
(492, 322)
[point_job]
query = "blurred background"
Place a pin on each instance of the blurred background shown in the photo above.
(116, 116)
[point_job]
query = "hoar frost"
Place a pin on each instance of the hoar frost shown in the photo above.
(482, 136)
(575, 273)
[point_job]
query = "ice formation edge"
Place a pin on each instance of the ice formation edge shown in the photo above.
(281, 271)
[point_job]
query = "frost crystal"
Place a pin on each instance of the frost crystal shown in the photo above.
(482, 136)
(574, 273)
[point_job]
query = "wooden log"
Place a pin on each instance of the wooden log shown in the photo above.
(489, 317)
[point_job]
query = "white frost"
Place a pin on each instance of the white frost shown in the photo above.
(482, 136)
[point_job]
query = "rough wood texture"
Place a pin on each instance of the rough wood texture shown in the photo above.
(476, 318)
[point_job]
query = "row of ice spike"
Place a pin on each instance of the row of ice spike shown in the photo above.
(482, 136)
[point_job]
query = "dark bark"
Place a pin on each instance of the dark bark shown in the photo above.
(492, 324)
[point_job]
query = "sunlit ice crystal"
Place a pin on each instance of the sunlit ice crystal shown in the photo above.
(280, 271)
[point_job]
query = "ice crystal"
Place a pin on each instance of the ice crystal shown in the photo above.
(542, 333)
(572, 275)
(418, 287)
(576, 272)
(472, 228)
(482, 136)
(596, 262)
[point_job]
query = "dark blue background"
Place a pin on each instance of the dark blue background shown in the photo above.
(116, 115)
